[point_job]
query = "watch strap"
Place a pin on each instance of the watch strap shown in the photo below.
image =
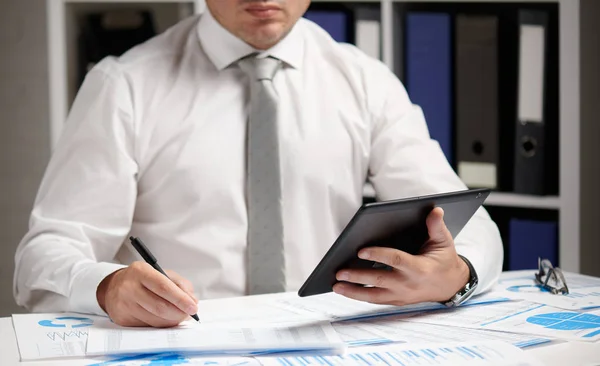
(467, 291)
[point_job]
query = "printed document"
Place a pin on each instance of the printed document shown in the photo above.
(44, 336)
(251, 310)
(191, 337)
(444, 354)
(354, 335)
(584, 291)
(334, 307)
(397, 330)
(521, 317)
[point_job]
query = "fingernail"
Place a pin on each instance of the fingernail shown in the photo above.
(343, 276)
(365, 254)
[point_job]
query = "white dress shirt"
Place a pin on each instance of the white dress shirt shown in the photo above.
(154, 146)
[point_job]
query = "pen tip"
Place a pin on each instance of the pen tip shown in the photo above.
(131, 238)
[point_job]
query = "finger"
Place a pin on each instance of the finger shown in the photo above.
(392, 257)
(371, 277)
(157, 305)
(183, 283)
(168, 290)
(147, 318)
(373, 295)
(436, 228)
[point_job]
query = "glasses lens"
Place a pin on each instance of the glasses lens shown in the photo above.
(551, 278)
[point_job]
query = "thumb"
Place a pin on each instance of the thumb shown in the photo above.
(436, 228)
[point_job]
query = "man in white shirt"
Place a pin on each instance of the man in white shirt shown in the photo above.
(155, 147)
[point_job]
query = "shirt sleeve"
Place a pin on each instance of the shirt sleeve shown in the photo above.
(85, 203)
(406, 162)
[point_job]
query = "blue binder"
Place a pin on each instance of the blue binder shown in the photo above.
(336, 23)
(428, 71)
(529, 240)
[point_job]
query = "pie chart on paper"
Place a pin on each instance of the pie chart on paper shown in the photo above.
(66, 322)
(567, 321)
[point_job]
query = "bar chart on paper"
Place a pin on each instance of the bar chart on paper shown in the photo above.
(479, 353)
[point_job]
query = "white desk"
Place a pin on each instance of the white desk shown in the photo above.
(561, 354)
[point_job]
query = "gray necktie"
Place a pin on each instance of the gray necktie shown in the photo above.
(266, 259)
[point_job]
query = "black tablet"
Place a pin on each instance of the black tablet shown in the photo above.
(396, 224)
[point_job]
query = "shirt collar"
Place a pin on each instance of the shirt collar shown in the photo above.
(223, 48)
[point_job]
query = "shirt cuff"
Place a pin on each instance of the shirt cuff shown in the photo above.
(479, 264)
(83, 290)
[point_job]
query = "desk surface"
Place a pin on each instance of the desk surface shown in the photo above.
(560, 354)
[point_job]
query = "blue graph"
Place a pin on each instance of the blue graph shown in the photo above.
(562, 321)
(527, 288)
(66, 322)
(166, 359)
(70, 335)
(144, 359)
(417, 356)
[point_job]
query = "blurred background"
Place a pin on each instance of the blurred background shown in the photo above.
(510, 89)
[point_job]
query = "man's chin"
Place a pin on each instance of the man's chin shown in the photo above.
(265, 36)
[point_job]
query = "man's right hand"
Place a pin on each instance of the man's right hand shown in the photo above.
(139, 295)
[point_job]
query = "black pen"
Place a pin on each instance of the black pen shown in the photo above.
(151, 260)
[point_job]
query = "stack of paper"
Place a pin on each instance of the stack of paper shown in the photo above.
(193, 338)
(323, 324)
(48, 336)
(439, 353)
(288, 307)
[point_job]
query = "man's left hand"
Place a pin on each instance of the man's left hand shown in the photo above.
(436, 274)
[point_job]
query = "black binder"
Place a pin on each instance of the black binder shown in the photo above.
(477, 100)
(111, 33)
(536, 147)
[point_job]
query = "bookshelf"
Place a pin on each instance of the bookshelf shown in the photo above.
(569, 204)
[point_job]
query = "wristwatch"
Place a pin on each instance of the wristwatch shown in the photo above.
(467, 291)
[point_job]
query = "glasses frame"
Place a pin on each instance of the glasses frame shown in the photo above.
(546, 272)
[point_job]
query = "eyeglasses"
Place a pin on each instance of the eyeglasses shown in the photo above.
(551, 278)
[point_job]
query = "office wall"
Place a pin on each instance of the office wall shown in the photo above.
(24, 126)
(590, 135)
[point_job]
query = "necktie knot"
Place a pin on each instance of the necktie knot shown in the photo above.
(258, 69)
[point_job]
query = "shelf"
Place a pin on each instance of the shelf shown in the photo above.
(130, 1)
(502, 199)
(522, 200)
